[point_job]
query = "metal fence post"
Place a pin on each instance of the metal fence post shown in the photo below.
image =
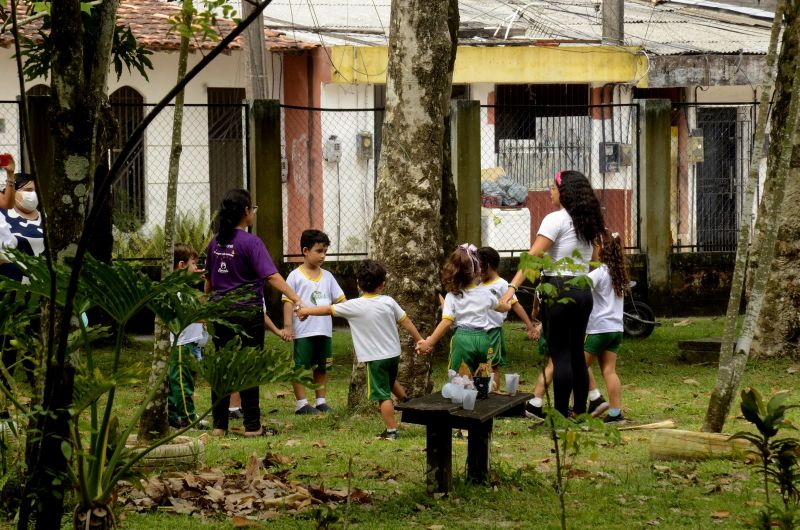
(655, 237)
(264, 138)
(465, 142)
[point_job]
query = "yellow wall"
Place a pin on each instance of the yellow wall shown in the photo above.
(512, 64)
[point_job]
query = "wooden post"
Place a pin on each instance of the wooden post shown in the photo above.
(478, 452)
(265, 174)
(439, 475)
(465, 144)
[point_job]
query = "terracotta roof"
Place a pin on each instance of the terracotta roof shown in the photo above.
(149, 22)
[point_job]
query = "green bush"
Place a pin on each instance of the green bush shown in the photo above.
(194, 230)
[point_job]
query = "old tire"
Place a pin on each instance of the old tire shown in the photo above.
(181, 454)
(633, 327)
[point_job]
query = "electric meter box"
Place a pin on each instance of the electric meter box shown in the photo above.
(615, 155)
(364, 145)
(332, 149)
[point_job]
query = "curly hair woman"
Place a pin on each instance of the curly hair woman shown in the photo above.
(573, 230)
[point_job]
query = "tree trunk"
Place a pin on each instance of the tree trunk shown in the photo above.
(406, 232)
(784, 130)
(79, 70)
(742, 249)
(778, 330)
(449, 208)
(154, 423)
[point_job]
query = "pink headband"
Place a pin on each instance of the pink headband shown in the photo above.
(558, 179)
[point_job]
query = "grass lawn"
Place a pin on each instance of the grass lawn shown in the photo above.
(612, 487)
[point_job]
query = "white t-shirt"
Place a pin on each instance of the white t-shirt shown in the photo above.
(471, 308)
(320, 291)
(373, 324)
(192, 333)
(557, 227)
(606, 314)
(498, 287)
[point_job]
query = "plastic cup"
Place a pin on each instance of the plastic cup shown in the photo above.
(458, 395)
(447, 390)
(512, 382)
(469, 399)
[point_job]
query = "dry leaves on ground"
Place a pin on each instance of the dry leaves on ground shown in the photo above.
(251, 494)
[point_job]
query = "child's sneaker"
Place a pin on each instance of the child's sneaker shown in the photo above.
(619, 418)
(389, 435)
(534, 413)
(597, 407)
(307, 409)
(324, 407)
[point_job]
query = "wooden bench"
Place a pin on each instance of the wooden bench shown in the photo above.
(440, 417)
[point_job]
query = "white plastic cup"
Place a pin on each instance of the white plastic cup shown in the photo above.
(469, 399)
(458, 395)
(447, 390)
(512, 382)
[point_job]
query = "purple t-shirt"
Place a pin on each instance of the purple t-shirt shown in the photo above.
(243, 261)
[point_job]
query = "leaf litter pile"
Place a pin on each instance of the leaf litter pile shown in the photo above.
(250, 493)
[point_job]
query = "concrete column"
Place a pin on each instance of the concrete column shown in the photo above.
(654, 189)
(465, 142)
(265, 173)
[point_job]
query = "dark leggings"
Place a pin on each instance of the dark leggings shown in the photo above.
(564, 327)
(253, 325)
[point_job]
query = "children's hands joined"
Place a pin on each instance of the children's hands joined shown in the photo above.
(300, 311)
(423, 347)
(533, 332)
(286, 334)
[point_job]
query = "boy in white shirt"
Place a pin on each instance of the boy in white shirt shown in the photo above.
(373, 322)
(490, 261)
(313, 346)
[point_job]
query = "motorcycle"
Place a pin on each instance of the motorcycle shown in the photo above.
(638, 320)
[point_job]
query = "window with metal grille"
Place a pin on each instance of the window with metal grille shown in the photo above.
(127, 106)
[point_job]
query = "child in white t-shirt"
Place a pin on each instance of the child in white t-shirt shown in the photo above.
(313, 345)
(467, 307)
(604, 330)
(373, 322)
(490, 262)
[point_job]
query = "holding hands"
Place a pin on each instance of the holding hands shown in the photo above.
(423, 347)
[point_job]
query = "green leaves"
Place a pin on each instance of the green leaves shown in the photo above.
(768, 418)
(233, 368)
(127, 52)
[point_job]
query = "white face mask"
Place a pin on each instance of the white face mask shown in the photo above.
(29, 201)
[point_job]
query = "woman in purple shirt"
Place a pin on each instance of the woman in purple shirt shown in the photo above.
(236, 258)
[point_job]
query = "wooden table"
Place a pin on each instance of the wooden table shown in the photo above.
(440, 417)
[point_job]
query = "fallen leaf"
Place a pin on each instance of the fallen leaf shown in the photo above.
(275, 460)
(224, 446)
(252, 469)
(182, 507)
(291, 442)
(436, 527)
(682, 323)
(720, 515)
(692, 382)
(281, 395)
(243, 522)
(792, 369)
(319, 444)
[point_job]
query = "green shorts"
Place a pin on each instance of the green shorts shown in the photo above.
(381, 376)
(598, 343)
(471, 347)
(313, 353)
(497, 340)
(543, 346)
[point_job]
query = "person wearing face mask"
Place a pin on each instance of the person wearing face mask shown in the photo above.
(24, 218)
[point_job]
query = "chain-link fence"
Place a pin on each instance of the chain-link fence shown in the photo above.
(523, 147)
(213, 160)
(712, 146)
(329, 163)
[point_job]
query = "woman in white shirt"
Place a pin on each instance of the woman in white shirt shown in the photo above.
(571, 231)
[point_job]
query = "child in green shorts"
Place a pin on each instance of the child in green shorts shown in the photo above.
(490, 261)
(180, 401)
(373, 322)
(467, 307)
(313, 347)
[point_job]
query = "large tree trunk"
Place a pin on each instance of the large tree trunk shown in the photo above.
(154, 423)
(784, 129)
(715, 416)
(778, 330)
(449, 207)
(406, 232)
(79, 69)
